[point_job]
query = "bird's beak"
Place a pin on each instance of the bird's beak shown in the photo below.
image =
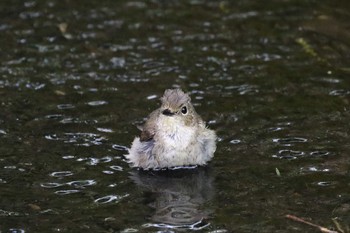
(167, 112)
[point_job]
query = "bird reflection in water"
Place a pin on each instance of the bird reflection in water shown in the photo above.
(178, 197)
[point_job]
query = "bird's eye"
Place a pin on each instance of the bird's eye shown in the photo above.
(184, 110)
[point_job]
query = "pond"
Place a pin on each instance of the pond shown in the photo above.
(78, 77)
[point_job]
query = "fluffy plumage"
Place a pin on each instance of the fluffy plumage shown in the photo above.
(173, 135)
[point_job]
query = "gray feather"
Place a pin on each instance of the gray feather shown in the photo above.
(175, 98)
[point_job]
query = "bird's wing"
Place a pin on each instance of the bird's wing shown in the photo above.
(149, 128)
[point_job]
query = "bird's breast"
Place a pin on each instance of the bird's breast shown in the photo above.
(173, 133)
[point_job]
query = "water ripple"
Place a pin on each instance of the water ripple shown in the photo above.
(54, 116)
(5, 213)
(79, 139)
(71, 120)
(109, 199)
(244, 89)
(65, 106)
(289, 140)
(219, 231)
(35, 86)
(105, 130)
(312, 169)
(97, 103)
(319, 153)
(119, 147)
(339, 92)
(51, 185)
(289, 154)
(294, 154)
(66, 192)
(325, 183)
(199, 225)
(116, 168)
(117, 62)
(235, 141)
(16, 230)
(108, 172)
(81, 183)
(68, 157)
(61, 174)
(129, 230)
(95, 161)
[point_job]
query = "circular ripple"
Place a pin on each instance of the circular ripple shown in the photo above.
(82, 183)
(326, 183)
(97, 103)
(61, 174)
(51, 185)
(119, 147)
(339, 92)
(116, 168)
(109, 199)
(235, 141)
(319, 153)
(289, 140)
(66, 192)
(289, 154)
(65, 106)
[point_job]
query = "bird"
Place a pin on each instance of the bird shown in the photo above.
(173, 136)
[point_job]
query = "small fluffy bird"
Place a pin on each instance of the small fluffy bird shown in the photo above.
(173, 136)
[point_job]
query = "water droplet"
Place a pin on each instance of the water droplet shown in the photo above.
(151, 97)
(275, 129)
(109, 219)
(2, 131)
(35, 86)
(108, 172)
(51, 137)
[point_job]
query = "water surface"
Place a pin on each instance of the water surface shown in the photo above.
(77, 77)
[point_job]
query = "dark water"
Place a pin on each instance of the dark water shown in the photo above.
(272, 78)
